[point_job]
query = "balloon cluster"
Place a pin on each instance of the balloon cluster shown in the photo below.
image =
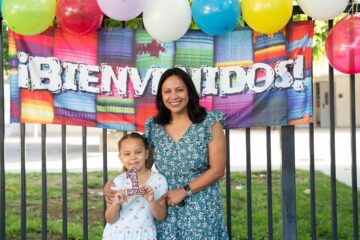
(29, 17)
(164, 20)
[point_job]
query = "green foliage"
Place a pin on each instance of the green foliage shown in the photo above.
(238, 206)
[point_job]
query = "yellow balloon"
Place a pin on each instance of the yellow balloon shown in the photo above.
(267, 16)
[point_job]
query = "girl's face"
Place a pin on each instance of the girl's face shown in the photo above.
(133, 154)
(175, 94)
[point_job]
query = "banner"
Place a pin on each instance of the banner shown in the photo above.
(109, 79)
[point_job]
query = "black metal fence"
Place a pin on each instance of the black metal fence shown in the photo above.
(288, 176)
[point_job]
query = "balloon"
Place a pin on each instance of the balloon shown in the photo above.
(216, 17)
(167, 20)
(267, 16)
(323, 9)
(79, 17)
(28, 17)
(343, 45)
(122, 10)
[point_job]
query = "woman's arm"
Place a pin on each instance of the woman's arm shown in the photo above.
(217, 162)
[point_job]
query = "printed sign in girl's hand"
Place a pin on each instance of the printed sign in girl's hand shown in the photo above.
(135, 188)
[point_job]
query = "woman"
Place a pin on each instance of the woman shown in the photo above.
(189, 149)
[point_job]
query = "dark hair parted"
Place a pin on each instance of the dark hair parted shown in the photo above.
(133, 135)
(196, 112)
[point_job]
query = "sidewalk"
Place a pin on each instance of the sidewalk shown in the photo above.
(237, 152)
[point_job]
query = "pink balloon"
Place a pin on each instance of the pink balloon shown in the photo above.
(79, 17)
(343, 45)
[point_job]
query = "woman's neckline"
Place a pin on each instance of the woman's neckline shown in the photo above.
(182, 135)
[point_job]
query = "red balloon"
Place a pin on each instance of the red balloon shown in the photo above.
(79, 16)
(343, 45)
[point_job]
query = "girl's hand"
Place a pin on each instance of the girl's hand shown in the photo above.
(109, 194)
(175, 196)
(149, 193)
(120, 197)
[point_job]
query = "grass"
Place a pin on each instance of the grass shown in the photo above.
(238, 202)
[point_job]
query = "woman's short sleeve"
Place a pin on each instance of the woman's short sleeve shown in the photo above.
(212, 118)
(161, 186)
(148, 131)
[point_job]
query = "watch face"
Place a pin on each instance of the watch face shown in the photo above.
(188, 190)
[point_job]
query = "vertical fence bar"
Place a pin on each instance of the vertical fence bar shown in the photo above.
(2, 142)
(288, 184)
(64, 182)
(105, 166)
(269, 183)
(312, 182)
(44, 182)
(312, 166)
(353, 159)
(228, 183)
(23, 182)
(248, 183)
(332, 148)
(85, 196)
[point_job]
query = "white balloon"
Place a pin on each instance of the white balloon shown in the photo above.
(167, 20)
(323, 9)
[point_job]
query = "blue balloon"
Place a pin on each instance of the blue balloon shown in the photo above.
(216, 17)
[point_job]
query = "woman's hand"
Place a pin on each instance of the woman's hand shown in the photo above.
(149, 193)
(175, 196)
(120, 197)
(109, 194)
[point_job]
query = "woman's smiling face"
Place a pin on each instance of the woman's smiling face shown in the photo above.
(175, 95)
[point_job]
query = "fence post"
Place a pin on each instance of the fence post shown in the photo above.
(288, 187)
(2, 141)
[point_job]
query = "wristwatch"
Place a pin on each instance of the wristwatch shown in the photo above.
(188, 190)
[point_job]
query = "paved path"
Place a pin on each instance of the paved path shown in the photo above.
(237, 147)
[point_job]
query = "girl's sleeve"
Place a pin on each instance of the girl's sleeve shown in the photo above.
(148, 131)
(212, 118)
(160, 187)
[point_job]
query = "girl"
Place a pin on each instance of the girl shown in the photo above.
(132, 217)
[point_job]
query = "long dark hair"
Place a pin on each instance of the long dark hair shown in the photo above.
(196, 112)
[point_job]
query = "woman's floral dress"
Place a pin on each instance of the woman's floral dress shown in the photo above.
(202, 216)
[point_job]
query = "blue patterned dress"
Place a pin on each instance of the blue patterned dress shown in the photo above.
(202, 216)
